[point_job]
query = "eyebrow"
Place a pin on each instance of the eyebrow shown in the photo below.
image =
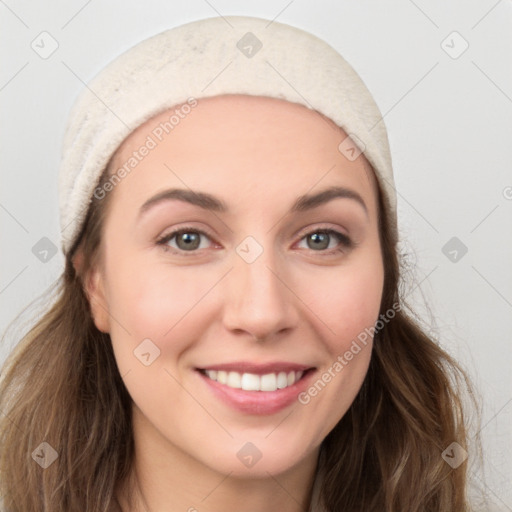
(214, 204)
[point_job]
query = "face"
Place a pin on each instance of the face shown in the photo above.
(233, 317)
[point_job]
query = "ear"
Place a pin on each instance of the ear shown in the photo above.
(94, 287)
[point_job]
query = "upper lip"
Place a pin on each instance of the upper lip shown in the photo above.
(258, 369)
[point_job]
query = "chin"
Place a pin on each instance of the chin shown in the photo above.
(257, 459)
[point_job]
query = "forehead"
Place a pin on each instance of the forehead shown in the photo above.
(244, 144)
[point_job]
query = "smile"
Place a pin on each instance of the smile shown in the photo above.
(257, 388)
(253, 382)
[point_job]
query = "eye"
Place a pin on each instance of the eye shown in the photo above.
(320, 240)
(187, 240)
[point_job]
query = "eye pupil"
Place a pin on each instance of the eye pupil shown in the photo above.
(191, 240)
(320, 237)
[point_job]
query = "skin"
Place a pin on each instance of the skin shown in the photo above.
(293, 303)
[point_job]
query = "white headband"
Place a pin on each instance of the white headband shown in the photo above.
(207, 58)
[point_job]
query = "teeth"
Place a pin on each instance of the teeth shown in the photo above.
(282, 380)
(234, 380)
(253, 382)
(250, 382)
(268, 382)
(212, 374)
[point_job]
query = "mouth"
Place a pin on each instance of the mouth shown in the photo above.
(257, 389)
(254, 382)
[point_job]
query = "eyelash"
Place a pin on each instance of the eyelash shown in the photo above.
(345, 242)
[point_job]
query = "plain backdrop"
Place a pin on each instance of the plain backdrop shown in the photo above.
(441, 73)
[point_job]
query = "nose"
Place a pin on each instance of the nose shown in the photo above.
(258, 299)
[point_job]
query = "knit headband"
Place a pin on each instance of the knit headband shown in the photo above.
(205, 58)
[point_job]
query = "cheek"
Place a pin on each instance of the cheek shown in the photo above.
(349, 302)
(156, 302)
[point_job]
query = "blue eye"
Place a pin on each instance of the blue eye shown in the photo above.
(188, 240)
(321, 238)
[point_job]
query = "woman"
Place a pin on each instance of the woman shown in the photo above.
(229, 328)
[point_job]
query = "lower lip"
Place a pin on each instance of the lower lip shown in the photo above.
(258, 402)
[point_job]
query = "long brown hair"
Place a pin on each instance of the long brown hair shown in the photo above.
(61, 386)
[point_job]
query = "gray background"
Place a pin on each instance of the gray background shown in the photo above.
(449, 118)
